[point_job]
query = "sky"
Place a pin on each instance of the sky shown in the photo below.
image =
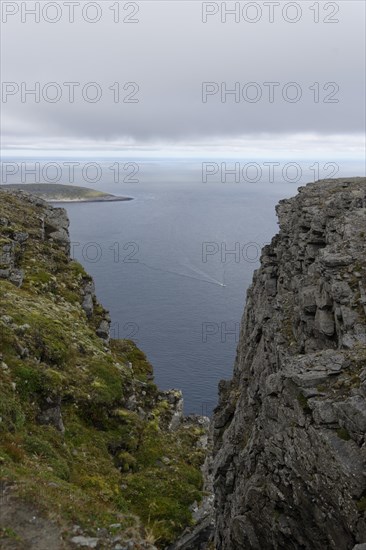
(183, 78)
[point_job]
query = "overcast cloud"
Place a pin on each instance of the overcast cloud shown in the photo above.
(169, 53)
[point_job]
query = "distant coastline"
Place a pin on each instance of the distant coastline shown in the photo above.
(110, 198)
(59, 193)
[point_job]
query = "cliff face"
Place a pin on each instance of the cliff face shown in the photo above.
(290, 453)
(92, 454)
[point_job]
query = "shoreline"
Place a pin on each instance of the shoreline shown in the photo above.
(97, 199)
(59, 193)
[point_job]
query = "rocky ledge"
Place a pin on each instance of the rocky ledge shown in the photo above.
(289, 431)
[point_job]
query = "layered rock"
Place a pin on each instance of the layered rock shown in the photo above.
(289, 431)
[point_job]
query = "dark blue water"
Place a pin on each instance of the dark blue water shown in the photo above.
(160, 261)
(163, 267)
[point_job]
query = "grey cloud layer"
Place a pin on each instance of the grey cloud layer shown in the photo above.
(169, 53)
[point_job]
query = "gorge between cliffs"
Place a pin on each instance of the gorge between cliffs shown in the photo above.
(93, 454)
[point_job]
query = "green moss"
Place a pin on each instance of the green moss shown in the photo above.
(361, 504)
(12, 449)
(125, 461)
(78, 270)
(28, 378)
(303, 401)
(128, 351)
(8, 533)
(344, 434)
(40, 276)
(162, 496)
(12, 413)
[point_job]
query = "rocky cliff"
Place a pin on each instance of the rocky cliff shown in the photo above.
(290, 452)
(92, 454)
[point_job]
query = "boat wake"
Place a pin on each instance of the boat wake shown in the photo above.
(203, 278)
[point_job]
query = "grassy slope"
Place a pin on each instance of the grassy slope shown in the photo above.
(56, 191)
(110, 464)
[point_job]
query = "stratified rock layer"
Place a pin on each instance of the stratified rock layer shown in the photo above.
(290, 453)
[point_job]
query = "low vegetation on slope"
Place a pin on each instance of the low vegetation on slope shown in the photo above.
(55, 192)
(84, 432)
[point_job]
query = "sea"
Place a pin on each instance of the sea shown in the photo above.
(173, 265)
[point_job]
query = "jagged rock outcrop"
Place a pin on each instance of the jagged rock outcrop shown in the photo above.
(289, 431)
